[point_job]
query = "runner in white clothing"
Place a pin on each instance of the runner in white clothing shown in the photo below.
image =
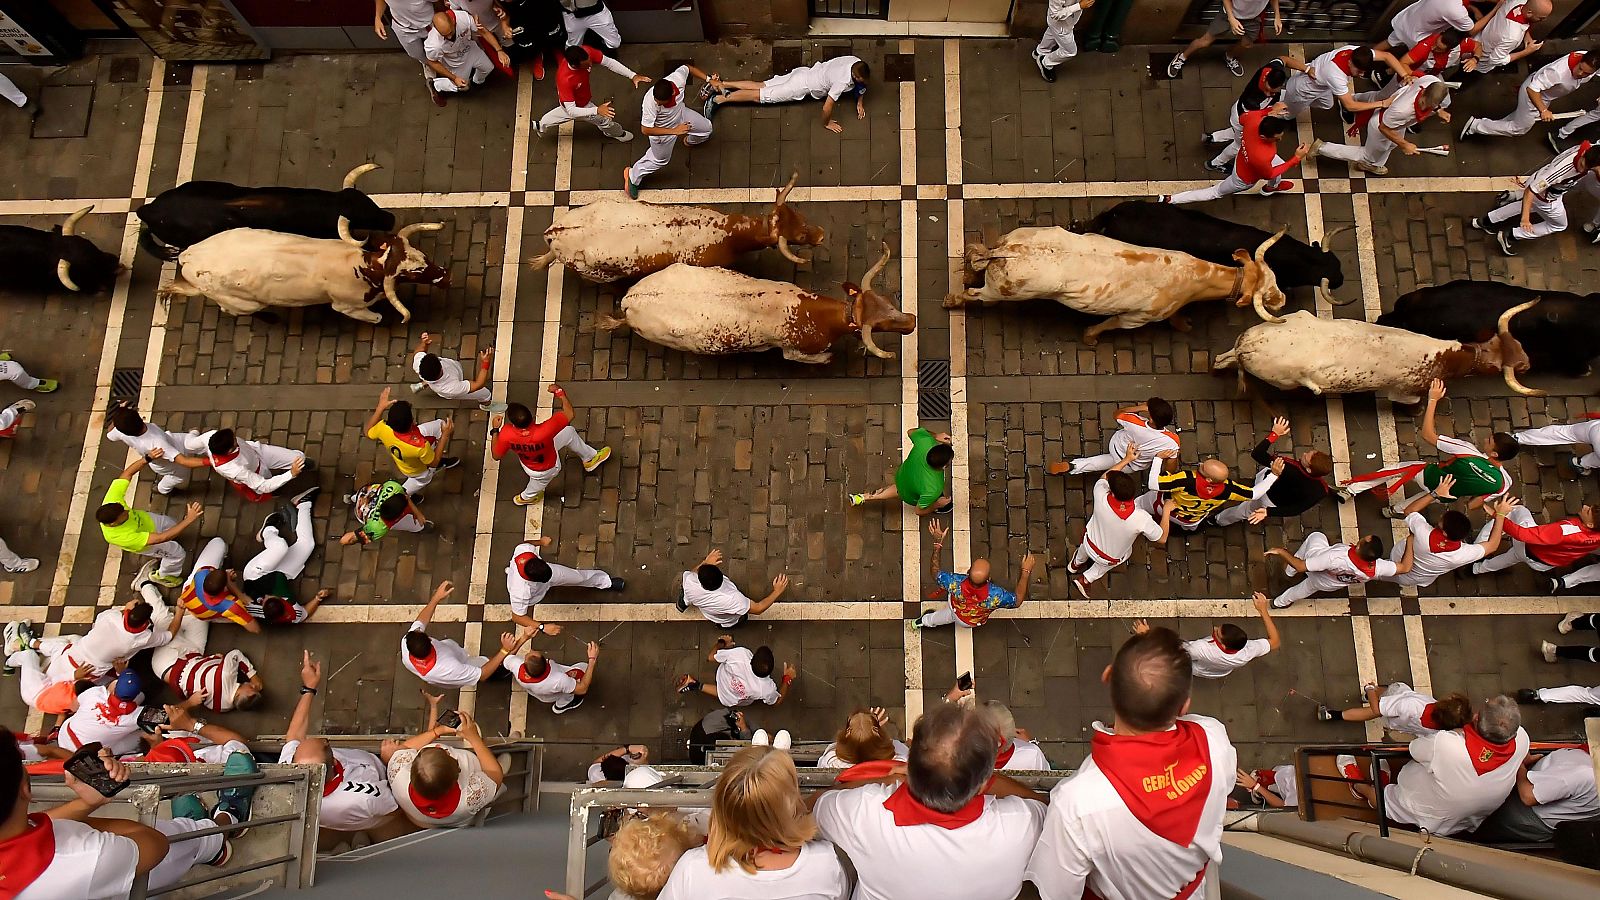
(1332, 567)
(355, 788)
(1402, 709)
(563, 687)
(1228, 648)
(118, 634)
(584, 16)
(255, 469)
(438, 661)
(1584, 432)
(1544, 196)
(1115, 524)
(1058, 44)
(443, 787)
(447, 378)
(1504, 38)
(1560, 787)
(1328, 78)
(1142, 816)
(453, 53)
(1437, 551)
(1534, 96)
(719, 599)
(1409, 107)
(129, 428)
(743, 676)
(108, 714)
(665, 117)
(1426, 17)
(1146, 427)
(1243, 18)
(529, 579)
(411, 19)
(828, 81)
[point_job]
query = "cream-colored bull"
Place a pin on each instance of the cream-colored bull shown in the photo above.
(1130, 285)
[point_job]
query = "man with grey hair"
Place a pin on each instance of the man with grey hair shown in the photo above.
(900, 834)
(1415, 103)
(1018, 750)
(1458, 777)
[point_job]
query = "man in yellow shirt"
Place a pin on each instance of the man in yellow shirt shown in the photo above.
(417, 449)
(144, 533)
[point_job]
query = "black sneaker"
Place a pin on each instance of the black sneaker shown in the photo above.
(682, 606)
(276, 520)
(946, 509)
(617, 584)
(1346, 116)
(569, 706)
(309, 493)
(1506, 241)
(1045, 72)
(1528, 695)
(1481, 223)
(1556, 585)
(1550, 138)
(1214, 166)
(1325, 714)
(449, 462)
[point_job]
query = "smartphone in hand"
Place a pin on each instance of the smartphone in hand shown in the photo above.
(450, 719)
(87, 766)
(965, 681)
(152, 716)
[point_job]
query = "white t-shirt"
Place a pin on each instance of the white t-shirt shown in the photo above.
(452, 665)
(1556, 79)
(109, 640)
(737, 682)
(1501, 36)
(722, 606)
(452, 383)
(1286, 784)
(1135, 430)
(654, 115)
(1441, 791)
(1425, 17)
(89, 865)
(815, 875)
(414, 15)
(524, 594)
(1026, 755)
(1091, 839)
(1331, 80)
(559, 684)
(982, 860)
(1111, 536)
(455, 51)
(1563, 784)
(1426, 565)
(1402, 709)
(94, 721)
(1211, 661)
(1333, 563)
(363, 796)
(477, 788)
(833, 77)
(154, 436)
(830, 758)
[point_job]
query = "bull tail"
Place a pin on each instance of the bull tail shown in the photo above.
(977, 257)
(154, 245)
(543, 260)
(613, 323)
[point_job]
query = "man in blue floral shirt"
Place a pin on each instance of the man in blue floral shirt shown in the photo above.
(972, 597)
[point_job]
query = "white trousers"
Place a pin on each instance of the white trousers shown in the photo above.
(940, 617)
(1233, 184)
(8, 560)
(1314, 582)
(1058, 44)
(1303, 92)
(183, 855)
(1239, 512)
(608, 127)
(1518, 121)
(192, 635)
(278, 555)
(412, 42)
(33, 667)
(1374, 151)
(171, 553)
(14, 372)
(1518, 552)
(1115, 447)
(415, 483)
(474, 69)
(1586, 575)
(1564, 132)
(10, 91)
(1585, 432)
(1572, 693)
(566, 439)
(1231, 137)
(659, 153)
(1092, 567)
(601, 23)
(1549, 216)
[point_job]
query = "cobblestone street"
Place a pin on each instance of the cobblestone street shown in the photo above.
(755, 454)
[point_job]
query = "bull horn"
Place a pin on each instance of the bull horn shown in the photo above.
(1503, 327)
(876, 270)
(1325, 294)
(871, 345)
(406, 232)
(70, 226)
(1261, 310)
(1510, 373)
(783, 192)
(1267, 244)
(790, 255)
(345, 235)
(357, 172)
(1327, 238)
(64, 273)
(394, 299)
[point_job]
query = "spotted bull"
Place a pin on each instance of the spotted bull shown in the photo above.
(189, 213)
(1130, 285)
(613, 239)
(247, 270)
(1353, 356)
(32, 259)
(716, 311)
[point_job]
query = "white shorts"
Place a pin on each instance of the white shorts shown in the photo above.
(789, 88)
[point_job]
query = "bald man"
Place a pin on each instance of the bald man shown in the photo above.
(355, 790)
(1194, 494)
(1504, 38)
(971, 598)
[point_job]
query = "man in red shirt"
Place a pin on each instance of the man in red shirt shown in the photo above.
(576, 98)
(538, 445)
(1258, 158)
(1545, 547)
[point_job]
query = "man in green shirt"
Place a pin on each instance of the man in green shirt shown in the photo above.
(920, 480)
(144, 533)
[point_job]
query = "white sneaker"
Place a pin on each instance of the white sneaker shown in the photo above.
(1565, 626)
(781, 740)
(23, 564)
(1280, 603)
(417, 387)
(760, 738)
(1548, 651)
(626, 137)
(13, 638)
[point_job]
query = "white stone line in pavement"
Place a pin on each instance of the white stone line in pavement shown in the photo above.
(1366, 666)
(910, 523)
(955, 240)
(63, 207)
(1417, 650)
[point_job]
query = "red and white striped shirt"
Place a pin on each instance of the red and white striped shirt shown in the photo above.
(218, 677)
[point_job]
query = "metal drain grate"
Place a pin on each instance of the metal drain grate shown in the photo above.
(126, 384)
(933, 389)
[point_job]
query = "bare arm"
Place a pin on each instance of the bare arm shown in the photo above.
(827, 112)
(588, 673)
(1404, 565)
(311, 677)
(190, 516)
(1002, 785)
(1525, 787)
(1023, 580)
(1539, 104)
(779, 585)
(444, 590)
(134, 467)
(468, 731)
(939, 534)
(1289, 559)
(1264, 608)
(1166, 522)
(561, 397)
(485, 365)
(785, 683)
(1430, 433)
(384, 402)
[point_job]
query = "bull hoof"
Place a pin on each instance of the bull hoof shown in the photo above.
(1091, 340)
(954, 301)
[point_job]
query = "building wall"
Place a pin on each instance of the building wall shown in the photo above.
(768, 19)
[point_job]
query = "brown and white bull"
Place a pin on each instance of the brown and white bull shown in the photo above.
(613, 239)
(246, 270)
(1130, 285)
(716, 311)
(1352, 356)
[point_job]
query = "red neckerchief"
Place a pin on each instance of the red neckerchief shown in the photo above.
(425, 664)
(1429, 717)
(1267, 777)
(1424, 49)
(1518, 16)
(25, 857)
(115, 708)
(1342, 60)
(522, 674)
(336, 779)
(1123, 508)
(517, 561)
(1206, 489)
(225, 458)
(1572, 62)
(1163, 778)
(907, 811)
(1577, 158)
(1593, 415)
(1367, 568)
(1222, 648)
(129, 628)
(1438, 543)
(439, 808)
(1421, 111)
(413, 436)
(974, 594)
(670, 103)
(1005, 754)
(866, 771)
(173, 750)
(1485, 754)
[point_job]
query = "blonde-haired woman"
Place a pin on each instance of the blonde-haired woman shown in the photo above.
(763, 843)
(864, 738)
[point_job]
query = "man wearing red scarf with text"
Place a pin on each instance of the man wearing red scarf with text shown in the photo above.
(1141, 819)
(952, 829)
(1455, 778)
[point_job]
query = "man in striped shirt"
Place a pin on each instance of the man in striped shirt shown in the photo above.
(220, 682)
(1544, 194)
(212, 592)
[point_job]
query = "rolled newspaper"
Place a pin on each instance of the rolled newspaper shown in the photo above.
(1441, 150)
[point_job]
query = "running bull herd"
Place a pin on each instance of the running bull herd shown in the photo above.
(252, 248)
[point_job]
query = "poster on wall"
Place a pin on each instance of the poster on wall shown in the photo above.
(19, 40)
(192, 30)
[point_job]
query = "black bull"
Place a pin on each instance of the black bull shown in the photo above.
(1561, 335)
(36, 260)
(1168, 227)
(192, 212)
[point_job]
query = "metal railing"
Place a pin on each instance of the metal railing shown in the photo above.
(285, 850)
(850, 9)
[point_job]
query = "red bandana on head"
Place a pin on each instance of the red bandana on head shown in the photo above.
(1367, 568)
(25, 857)
(130, 628)
(425, 664)
(436, 808)
(334, 780)
(907, 811)
(1164, 778)
(1438, 543)
(1485, 754)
